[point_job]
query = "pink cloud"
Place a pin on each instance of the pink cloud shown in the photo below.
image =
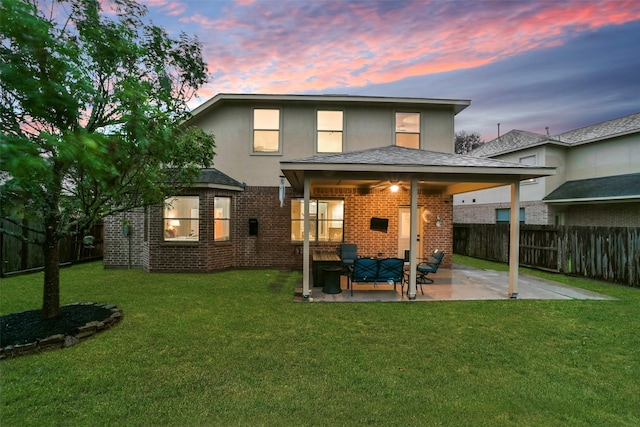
(167, 7)
(299, 47)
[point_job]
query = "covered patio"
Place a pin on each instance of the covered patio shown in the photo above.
(459, 283)
(416, 171)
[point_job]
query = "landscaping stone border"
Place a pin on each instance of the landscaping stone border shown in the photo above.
(59, 341)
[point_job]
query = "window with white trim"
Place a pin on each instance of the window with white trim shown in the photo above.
(330, 131)
(181, 219)
(222, 219)
(326, 220)
(408, 130)
(266, 130)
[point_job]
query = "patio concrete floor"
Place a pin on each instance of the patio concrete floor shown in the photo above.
(459, 283)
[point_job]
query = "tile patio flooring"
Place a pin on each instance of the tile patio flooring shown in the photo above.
(457, 284)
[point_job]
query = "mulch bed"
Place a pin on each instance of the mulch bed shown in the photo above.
(27, 332)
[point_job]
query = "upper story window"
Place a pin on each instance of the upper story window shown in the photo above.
(531, 161)
(408, 130)
(221, 219)
(330, 127)
(181, 219)
(266, 130)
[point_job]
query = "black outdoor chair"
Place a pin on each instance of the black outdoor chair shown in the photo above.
(348, 254)
(425, 267)
(429, 266)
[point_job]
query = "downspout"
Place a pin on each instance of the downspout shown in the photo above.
(413, 239)
(514, 240)
(305, 246)
(126, 231)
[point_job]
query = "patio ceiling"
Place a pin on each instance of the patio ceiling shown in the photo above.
(449, 173)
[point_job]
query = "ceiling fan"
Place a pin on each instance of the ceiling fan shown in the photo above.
(393, 186)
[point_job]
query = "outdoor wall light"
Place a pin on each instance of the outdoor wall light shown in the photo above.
(438, 222)
(394, 188)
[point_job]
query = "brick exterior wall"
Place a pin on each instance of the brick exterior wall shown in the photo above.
(205, 255)
(360, 206)
(538, 213)
(617, 214)
(122, 251)
(272, 247)
(604, 214)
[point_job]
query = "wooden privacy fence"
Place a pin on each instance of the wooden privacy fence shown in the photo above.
(606, 253)
(20, 255)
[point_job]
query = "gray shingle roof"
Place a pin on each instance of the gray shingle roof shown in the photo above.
(511, 141)
(519, 139)
(619, 186)
(608, 129)
(394, 155)
(215, 177)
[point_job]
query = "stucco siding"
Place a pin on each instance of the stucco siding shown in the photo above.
(364, 127)
(617, 156)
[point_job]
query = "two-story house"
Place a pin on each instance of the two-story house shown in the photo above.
(296, 174)
(597, 180)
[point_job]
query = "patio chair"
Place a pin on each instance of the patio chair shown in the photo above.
(391, 269)
(365, 270)
(348, 254)
(429, 266)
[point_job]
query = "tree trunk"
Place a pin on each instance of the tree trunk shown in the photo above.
(51, 294)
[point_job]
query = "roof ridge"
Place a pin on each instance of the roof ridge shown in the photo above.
(602, 123)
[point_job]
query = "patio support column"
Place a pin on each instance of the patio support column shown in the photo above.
(305, 245)
(413, 239)
(514, 240)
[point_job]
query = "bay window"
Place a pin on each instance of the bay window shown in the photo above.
(181, 218)
(221, 219)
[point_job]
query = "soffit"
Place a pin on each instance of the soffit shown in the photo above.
(455, 105)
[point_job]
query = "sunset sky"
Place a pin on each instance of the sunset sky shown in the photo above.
(523, 64)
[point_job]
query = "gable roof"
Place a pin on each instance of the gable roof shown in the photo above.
(597, 189)
(394, 155)
(609, 129)
(456, 105)
(400, 163)
(517, 140)
(512, 141)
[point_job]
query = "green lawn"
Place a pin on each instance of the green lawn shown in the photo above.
(233, 348)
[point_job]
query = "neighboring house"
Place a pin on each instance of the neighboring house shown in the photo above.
(296, 174)
(597, 180)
